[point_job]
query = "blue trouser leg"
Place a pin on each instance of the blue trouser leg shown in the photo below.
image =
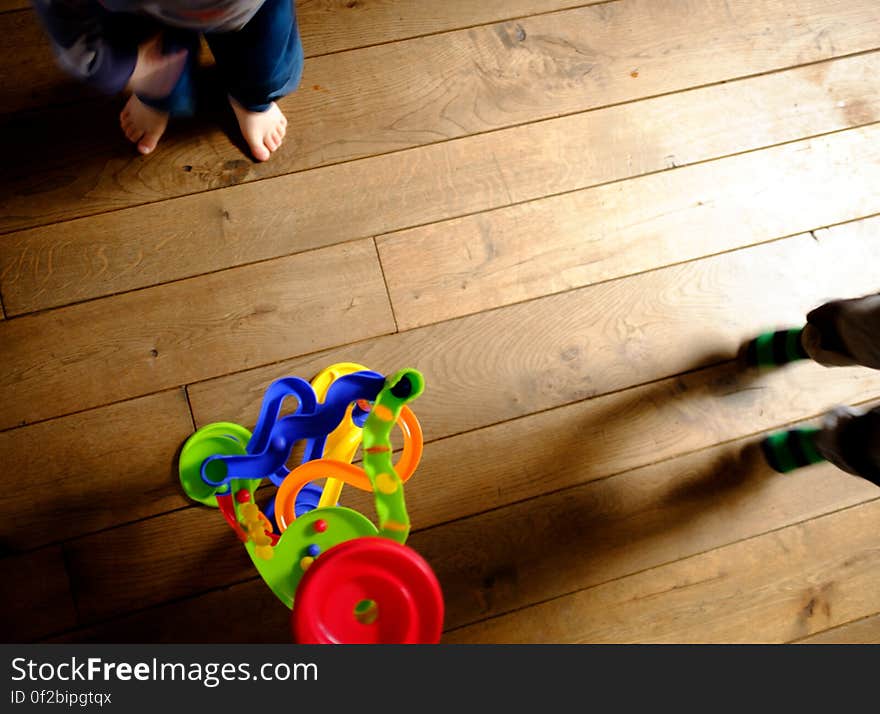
(133, 30)
(181, 100)
(262, 61)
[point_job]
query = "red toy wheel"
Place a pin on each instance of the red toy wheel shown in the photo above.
(368, 590)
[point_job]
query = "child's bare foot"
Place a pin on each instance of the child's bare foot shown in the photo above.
(263, 131)
(142, 125)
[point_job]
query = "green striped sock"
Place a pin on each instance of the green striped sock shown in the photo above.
(773, 349)
(789, 450)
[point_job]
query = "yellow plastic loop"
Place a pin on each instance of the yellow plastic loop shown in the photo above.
(342, 443)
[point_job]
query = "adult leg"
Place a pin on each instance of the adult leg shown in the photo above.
(845, 332)
(838, 333)
(849, 438)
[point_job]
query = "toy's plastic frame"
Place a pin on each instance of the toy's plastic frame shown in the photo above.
(345, 579)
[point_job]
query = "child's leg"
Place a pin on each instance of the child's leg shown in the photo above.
(145, 117)
(848, 438)
(260, 63)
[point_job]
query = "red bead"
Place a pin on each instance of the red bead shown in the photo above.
(242, 495)
(320, 526)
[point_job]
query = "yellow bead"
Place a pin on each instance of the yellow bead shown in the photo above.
(264, 552)
(386, 483)
(306, 563)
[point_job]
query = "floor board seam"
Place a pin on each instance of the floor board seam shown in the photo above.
(385, 283)
(393, 152)
(441, 524)
(738, 541)
(449, 320)
(375, 238)
(799, 640)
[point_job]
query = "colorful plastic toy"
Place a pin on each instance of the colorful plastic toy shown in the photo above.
(346, 579)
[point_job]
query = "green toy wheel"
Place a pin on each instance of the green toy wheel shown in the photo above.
(220, 438)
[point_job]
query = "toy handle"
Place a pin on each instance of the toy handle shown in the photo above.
(403, 387)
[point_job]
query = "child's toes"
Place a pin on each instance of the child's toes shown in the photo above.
(271, 142)
(149, 141)
(261, 152)
(132, 133)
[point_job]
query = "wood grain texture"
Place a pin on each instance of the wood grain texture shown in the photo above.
(590, 472)
(564, 348)
(164, 557)
(546, 546)
(69, 476)
(86, 355)
(494, 467)
(246, 612)
(432, 89)
(560, 448)
(554, 244)
(650, 308)
(771, 588)
(35, 599)
(90, 257)
(151, 561)
(865, 631)
(337, 25)
(30, 78)
(560, 543)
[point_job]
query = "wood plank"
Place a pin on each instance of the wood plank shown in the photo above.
(673, 417)
(153, 561)
(512, 254)
(482, 470)
(90, 257)
(599, 531)
(10, 5)
(30, 78)
(865, 631)
(564, 348)
(606, 435)
(35, 599)
(440, 87)
(338, 25)
(95, 353)
(247, 612)
(857, 234)
(772, 588)
(552, 545)
(92, 470)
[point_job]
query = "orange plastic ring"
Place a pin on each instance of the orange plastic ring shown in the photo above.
(285, 498)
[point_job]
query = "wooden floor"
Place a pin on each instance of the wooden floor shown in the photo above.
(567, 214)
